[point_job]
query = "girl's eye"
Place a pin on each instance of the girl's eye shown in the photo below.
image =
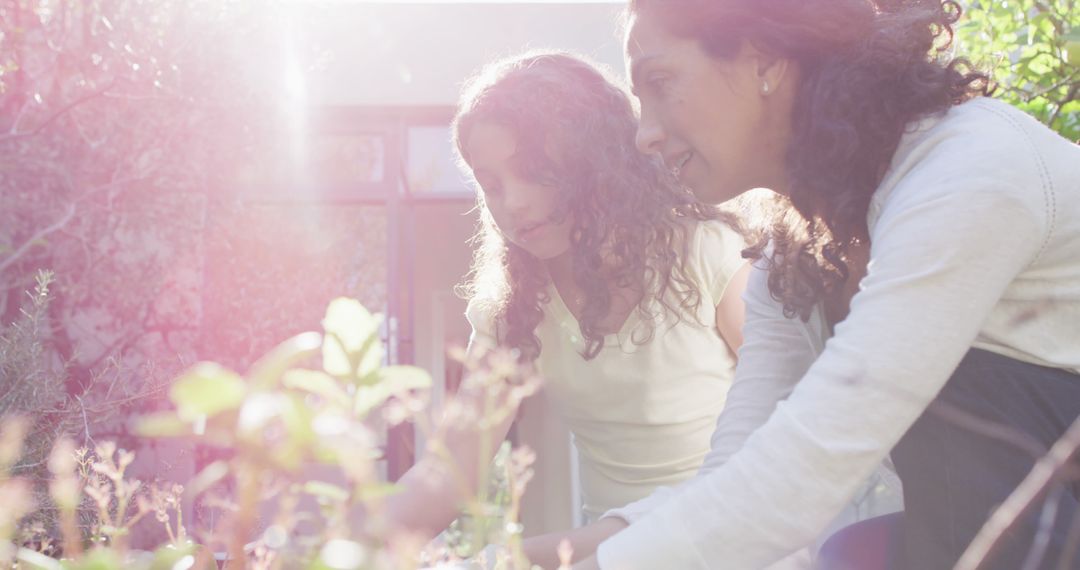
(535, 174)
(547, 179)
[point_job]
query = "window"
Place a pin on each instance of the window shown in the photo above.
(432, 168)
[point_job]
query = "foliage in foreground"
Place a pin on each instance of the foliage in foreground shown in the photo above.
(316, 403)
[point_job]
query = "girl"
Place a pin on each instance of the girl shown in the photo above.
(595, 264)
(936, 247)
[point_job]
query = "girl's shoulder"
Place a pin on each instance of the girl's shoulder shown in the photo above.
(713, 235)
(714, 254)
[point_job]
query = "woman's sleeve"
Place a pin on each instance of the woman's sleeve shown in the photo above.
(955, 232)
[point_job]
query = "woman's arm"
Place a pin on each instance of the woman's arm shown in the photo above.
(947, 244)
(543, 550)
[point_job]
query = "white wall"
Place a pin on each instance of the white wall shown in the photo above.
(418, 53)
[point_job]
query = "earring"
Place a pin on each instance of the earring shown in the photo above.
(764, 87)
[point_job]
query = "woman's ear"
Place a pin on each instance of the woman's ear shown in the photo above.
(772, 71)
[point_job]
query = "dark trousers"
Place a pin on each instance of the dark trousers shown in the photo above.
(955, 474)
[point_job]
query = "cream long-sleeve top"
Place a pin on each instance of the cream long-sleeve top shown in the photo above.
(975, 242)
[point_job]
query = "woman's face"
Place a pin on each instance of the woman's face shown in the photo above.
(710, 119)
(524, 208)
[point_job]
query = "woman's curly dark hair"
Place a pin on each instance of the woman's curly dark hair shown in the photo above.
(867, 69)
(629, 215)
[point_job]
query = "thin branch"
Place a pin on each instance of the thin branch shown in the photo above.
(86, 423)
(1045, 530)
(13, 135)
(1045, 472)
(111, 405)
(1069, 80)
(1072, 541)
(19, 117)
(1073, 91)
(992, 430)
(63, 221)
(21, 251)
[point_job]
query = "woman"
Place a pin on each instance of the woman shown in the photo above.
(596, 265)
(936, 246)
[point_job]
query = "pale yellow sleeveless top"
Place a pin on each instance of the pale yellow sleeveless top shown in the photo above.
(642, 415)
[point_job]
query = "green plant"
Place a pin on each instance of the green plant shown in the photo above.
(30, 381)
(315, 400)
(1032, 49)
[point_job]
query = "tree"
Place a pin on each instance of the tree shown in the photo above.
(116, 117)
(1032, 49)
(123, 125)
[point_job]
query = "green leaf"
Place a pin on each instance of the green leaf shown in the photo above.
(370, 397)
(327, 491)
(402, 378)
(269, 369)
(36, 561)
(97, 559)
(1072, 48)
(298, 418)
(318, 383)
(220, 430)
(371, 357)
(339, 554)
(208, 477)
(389, 381)
(351, 348)
(379, 491)
(173, 556)
(284, 448)
(207, 389)
(258, 410)
(162, 424)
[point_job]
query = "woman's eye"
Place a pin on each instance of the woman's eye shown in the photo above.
(657, 83)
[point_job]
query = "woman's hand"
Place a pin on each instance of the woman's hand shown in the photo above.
(543, 550)
(589, 563)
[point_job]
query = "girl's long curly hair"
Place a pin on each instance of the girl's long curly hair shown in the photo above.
(629, 215)
(867, 69)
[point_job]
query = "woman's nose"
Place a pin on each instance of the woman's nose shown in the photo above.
(650, 135)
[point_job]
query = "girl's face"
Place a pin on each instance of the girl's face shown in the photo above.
(524, 208)
(710, 119)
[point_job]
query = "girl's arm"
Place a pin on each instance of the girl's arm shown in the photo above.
(731, 311)
(435, 489)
